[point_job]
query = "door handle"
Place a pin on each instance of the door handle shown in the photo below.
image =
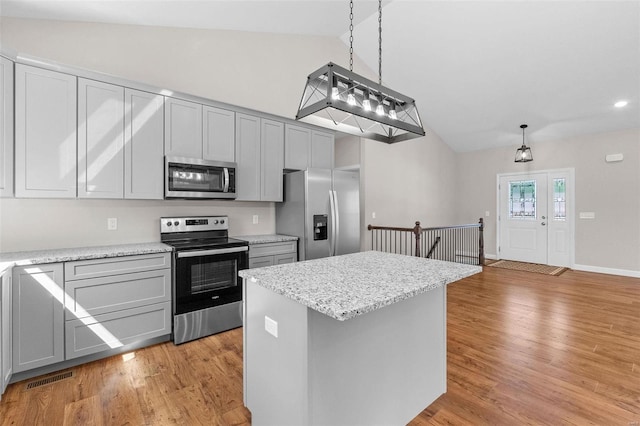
(543, 224)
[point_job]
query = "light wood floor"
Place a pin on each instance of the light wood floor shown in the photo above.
(523, 348)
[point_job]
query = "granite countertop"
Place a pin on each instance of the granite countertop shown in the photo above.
(20, 258)
(344, 287)
(263, 239)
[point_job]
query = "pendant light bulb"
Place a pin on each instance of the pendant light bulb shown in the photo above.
(335, 93)
(351, 99)
(392, 111)
(366, 103)
(380, 108)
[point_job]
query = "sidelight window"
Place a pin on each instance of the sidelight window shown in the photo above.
(559, 199)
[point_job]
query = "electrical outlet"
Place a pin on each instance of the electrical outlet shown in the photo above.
(487, 213)
(373, 215)
(256, 219)
(271, 326)
(112, 223)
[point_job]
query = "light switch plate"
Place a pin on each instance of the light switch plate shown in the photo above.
(271, 326)
(256, 219)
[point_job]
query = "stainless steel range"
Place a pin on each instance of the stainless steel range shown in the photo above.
(207, 292)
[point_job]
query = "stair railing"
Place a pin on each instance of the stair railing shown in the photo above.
(458, 243)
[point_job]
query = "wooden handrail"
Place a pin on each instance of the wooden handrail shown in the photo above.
(418, 230)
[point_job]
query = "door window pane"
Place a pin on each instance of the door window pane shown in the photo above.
(559, 199)
(522, 199)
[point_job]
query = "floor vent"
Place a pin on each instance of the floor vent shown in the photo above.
(49, 380)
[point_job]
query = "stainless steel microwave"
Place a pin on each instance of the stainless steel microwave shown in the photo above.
(195, 178)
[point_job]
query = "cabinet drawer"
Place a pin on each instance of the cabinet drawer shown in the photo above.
(285, 258)
(115, 266)
(94, 296)
(117, 329)
(273, 248)
(260, 262)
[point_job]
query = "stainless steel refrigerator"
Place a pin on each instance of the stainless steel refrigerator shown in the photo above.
(322, 208)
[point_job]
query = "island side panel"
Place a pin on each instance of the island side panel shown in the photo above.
(383, 367)
(275, 372)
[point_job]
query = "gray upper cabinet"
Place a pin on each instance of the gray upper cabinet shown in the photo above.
(6, 127)
(297, 145)
(100, 139)
(45, 133)
(38, 316)
(144, 145)
(5, 331)
(271, 160)
(306, 148)
(248, 157)
(219, 134)
(322, 146)
(182, 128)
(260, 157)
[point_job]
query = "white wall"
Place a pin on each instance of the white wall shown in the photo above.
(407, 182)
(31, 224)
(611, 190)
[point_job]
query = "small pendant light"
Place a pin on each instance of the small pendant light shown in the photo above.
(523, 154)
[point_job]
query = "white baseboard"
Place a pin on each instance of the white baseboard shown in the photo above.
(490, 256)
(610, 271)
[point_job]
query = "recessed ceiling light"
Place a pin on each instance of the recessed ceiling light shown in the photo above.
(620, 104)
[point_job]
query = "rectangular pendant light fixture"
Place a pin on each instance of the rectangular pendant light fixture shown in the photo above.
(342, 100)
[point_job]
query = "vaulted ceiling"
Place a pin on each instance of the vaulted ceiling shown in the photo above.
(477, 69)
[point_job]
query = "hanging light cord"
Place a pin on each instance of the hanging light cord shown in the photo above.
(351, 36)
(380, 42)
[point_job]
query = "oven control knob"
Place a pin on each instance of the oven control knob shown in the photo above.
(176, 223)
(215, 222)
(222, 222)
(169, 223)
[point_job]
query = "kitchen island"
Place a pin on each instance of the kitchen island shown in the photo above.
(358, 339)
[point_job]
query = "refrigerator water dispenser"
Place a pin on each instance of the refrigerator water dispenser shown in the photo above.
(319, 226)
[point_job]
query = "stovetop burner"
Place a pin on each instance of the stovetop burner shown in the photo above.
(194, 232)
(205, 243)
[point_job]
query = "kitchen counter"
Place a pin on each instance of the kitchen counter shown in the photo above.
(353, 339)
(20, 258)
(264, 239)
(344, 287)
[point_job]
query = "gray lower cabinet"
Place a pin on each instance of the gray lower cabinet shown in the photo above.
(6, 366)
(38, 316)
(269, 254)
(92, 334)
(100, 305)
(114, 307)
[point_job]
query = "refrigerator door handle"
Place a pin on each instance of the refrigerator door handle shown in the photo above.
(336, 227)
(332, 235)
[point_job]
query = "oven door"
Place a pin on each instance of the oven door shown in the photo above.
(207, 278)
